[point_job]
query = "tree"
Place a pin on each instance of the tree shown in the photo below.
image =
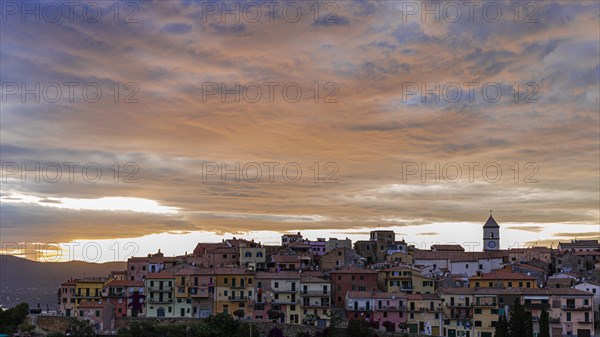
(502, 327)
(521, 321)
(13, 317)
(359, 328)
(544, 324)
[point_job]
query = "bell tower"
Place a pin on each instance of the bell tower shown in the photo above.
(491, 234)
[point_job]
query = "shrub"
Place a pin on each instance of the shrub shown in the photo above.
(389, 326)
(359, 328)
(275, 332)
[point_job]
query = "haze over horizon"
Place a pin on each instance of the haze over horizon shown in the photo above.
(358, 150)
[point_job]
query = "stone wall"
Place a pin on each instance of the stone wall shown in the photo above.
(52, 323)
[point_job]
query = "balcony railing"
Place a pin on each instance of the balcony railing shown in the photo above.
(285, 301)
(159, 300)
(314, 293)
(537, 305)
(576, 308)
(389, 308)
(485, 304)
(359, 308)
(316, 305)
(158, 288)
(459, 305)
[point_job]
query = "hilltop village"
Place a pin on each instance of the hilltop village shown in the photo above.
(441, 291)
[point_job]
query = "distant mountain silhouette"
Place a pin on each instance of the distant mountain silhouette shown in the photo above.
(23, 280)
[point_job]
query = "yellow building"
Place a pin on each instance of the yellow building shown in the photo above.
(424, 314)
(89, 289)
(234, 291)
(485, 313)
(405, 279)
(457, 312)
(503, 278)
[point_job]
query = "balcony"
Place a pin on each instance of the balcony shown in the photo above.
(315, 293)
(359, 308)
(285, 301)
(316, 305)
(459, 305)
(537, 305)
(238, 298)
(159, 300)
(485, 304)
(574, 308)
(389, 308)
(163, 288)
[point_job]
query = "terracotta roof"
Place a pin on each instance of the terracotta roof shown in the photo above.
(416, 297)
(92, 280)
(458, 256)
(394, 295)
(504, 275)
(360, 294)
(233, 271)
(455, 248)
(124, 283)
(355, 271)
(313, 279)
(278, 276)
(285, 258)
(161, 275)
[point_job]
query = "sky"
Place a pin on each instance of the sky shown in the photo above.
(137, 126)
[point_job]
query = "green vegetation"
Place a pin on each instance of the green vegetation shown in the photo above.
(220, 325)
(10, 319)
(544, 324)
(359, 328)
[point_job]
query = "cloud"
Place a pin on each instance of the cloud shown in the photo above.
(170, 53)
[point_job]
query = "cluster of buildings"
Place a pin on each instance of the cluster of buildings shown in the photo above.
(441, 291)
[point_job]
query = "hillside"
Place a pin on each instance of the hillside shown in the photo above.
(23, 280)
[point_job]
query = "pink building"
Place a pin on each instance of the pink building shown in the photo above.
(389, 307)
